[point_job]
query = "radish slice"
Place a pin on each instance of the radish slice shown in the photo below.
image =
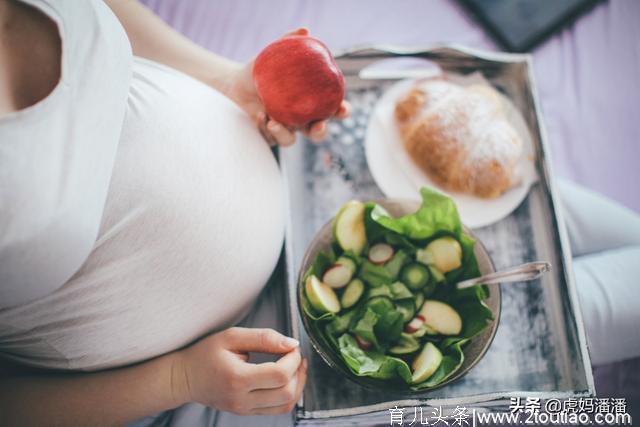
(380, 253)
(409, 329)
(337, 276)
(362, 343)
(415, 324)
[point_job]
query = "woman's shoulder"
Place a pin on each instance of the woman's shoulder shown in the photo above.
(31, 56)
(53, 43)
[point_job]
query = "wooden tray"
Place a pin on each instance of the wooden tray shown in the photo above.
(540, 347)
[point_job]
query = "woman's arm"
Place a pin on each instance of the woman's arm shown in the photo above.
(215, 372)
(105, 398)
(153, 39)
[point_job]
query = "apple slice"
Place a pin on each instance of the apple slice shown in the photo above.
(380, 253)
(441, 317)
(444, 253)
(321, 296)
(348, 227)
(426, 363)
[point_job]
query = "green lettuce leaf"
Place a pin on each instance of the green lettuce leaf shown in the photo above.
(374, 275)
(340, 323)
(389, 327)
(438, 214)
(360, 362)
(371, 364)
(399, 291)
(364, 327)
(380, 291)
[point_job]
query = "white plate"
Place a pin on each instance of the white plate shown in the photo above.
(398, 176)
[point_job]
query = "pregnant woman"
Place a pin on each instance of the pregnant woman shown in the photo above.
(141, 211)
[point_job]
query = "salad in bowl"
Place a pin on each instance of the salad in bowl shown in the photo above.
(378, 299)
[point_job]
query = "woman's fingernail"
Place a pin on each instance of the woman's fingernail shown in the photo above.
(290, 342)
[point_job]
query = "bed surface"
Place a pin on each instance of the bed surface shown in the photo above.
(588, 78)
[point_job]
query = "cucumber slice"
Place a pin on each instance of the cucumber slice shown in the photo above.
(395, 264)
(407, 308)
(415, 275)
(348, 227)
(441, 317)
(352, 293)
(426, 363)
(321, 296)
(405, 345)
(419, 300)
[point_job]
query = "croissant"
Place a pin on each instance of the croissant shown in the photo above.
(460, 136)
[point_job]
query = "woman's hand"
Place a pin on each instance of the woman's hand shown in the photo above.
(243, 92)
(216, 372)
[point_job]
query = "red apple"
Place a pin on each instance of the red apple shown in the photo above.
(298, 81)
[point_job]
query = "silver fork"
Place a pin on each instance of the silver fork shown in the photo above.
(520, 273)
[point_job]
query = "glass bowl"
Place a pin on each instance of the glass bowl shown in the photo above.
(473, 351)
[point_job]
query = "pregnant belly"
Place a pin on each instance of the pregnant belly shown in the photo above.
(192, 229)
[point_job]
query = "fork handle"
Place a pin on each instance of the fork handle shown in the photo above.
(520, 273)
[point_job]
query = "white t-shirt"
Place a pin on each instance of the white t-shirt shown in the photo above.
(191, 229)
(56, 156)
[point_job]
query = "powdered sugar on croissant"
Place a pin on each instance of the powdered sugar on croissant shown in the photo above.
(460, 136)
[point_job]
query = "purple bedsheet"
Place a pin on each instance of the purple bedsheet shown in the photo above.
(588, 75)
(588, 79)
